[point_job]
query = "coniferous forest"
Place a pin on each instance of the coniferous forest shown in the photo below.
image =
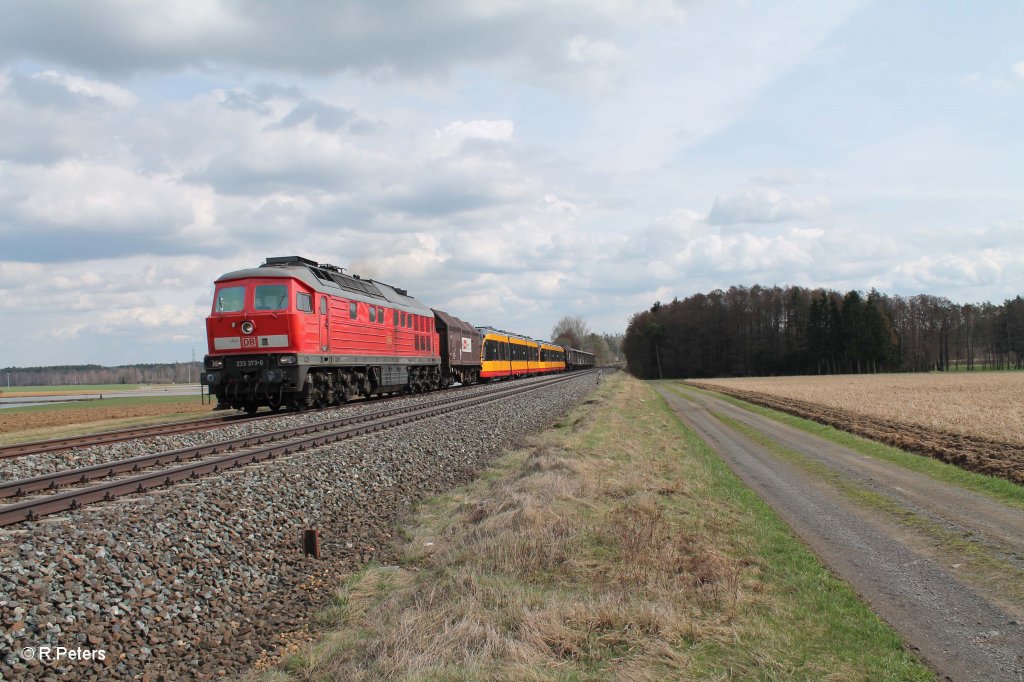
(762, 331)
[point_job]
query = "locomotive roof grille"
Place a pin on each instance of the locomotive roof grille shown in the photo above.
(276, 261)
(327, 273)
(356, 284)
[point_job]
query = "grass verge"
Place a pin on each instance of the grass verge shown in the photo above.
(615, 545)
(998, 489)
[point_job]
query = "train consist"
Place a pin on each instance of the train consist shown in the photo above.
(296, 333)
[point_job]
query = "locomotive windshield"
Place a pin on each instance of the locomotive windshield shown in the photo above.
(271, 297)
(229, 300)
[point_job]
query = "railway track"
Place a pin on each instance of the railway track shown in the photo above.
(107, 437)
(134, 433)
(244, 451)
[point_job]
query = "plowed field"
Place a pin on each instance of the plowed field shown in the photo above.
(974, 421)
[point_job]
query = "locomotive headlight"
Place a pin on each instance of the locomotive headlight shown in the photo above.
(247, 327)
(287, 359)
(214, 363)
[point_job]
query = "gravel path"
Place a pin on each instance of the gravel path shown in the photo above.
(964, 632)
(196, 581)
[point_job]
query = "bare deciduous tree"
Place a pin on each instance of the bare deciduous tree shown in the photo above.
(571, 331)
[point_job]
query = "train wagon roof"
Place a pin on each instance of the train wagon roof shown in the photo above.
(455, 323)
(502, 332)
(330, 279)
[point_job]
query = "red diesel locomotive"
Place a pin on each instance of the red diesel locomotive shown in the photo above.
(295, 333)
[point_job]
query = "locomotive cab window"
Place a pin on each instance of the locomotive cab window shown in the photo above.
(323, 306)
(229, 300)
(271, 297)
(304, 302)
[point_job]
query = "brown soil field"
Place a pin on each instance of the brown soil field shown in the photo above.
(46, 419)
(975, 421)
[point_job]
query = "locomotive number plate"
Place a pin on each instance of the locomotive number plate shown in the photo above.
(248, 363)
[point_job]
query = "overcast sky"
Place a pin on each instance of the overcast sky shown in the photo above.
(510, 162)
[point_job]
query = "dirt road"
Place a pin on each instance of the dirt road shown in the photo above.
(942, 565)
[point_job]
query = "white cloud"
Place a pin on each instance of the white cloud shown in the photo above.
(481, 130)
(1018, 69)
(763, 206)
(114, 94)
(971, 269)
(97, 197)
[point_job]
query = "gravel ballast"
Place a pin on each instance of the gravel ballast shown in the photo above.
(198, 580)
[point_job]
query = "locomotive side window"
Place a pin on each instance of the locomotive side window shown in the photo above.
(230, 300)
(353, 310)
(403, 319)
(323, 306)
(373, 314)
(394, 314)
(303, 302)
(271, 297)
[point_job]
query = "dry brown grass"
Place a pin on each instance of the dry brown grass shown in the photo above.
(565, 565)
(985, 404)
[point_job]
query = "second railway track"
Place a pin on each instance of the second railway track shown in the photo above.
(267, 445)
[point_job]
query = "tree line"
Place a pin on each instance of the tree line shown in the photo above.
(70, 375)
(573, 331)
(764, 331)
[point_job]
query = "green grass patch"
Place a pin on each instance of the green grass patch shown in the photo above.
(996, 488)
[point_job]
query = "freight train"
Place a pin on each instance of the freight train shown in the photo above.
(295, 333)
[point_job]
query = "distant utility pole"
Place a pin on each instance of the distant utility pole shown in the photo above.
(190, 366)
(8, 380)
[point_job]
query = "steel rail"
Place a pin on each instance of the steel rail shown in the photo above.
(163, 429)
(53, 481)
(36, 508)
